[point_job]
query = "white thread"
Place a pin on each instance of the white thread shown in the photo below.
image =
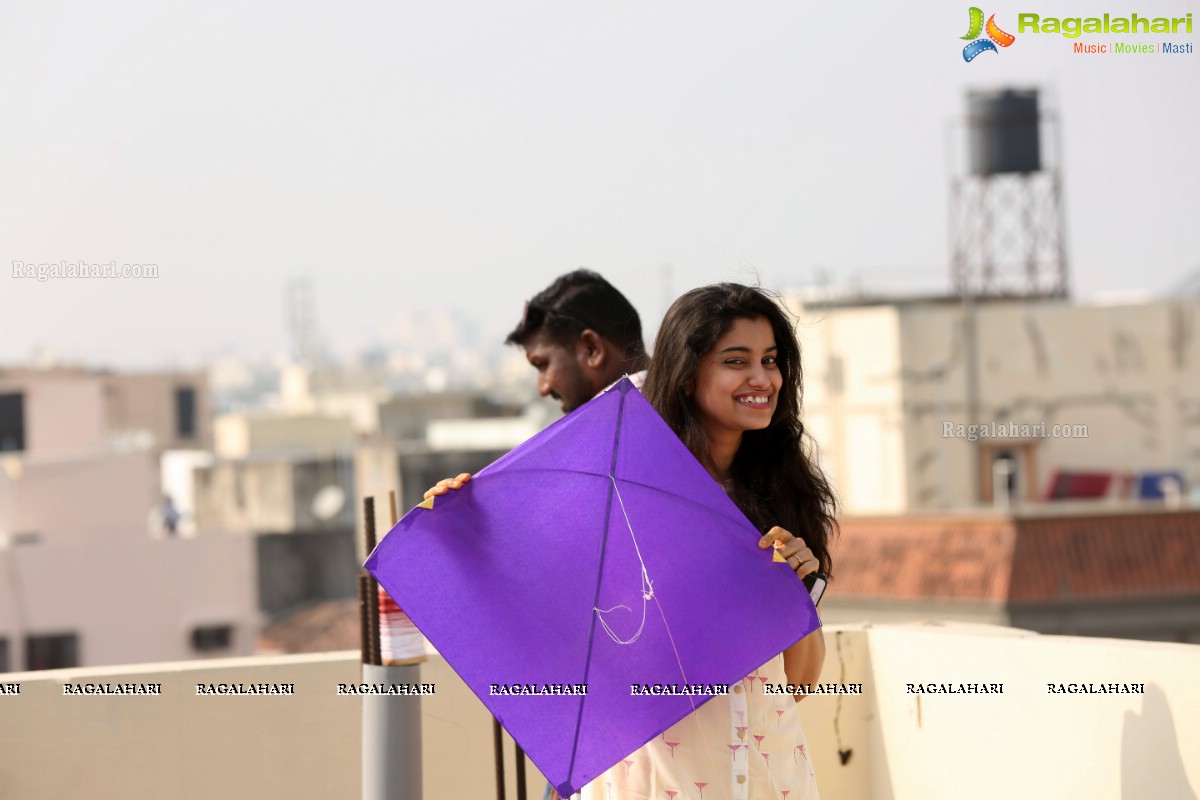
(647, 585)
(648, 595)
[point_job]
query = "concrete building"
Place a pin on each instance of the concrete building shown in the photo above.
(922, 404)
(242, 435)
(71, 410)
(298, 515)
(94, 569)
(408, 417)
(279, 494)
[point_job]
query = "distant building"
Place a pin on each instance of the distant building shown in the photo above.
(924, 404)
(408, 417)
(279, 494)
(71, 410)
(97, 569)
(249, 434)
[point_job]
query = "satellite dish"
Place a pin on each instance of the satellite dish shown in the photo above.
(328, 502)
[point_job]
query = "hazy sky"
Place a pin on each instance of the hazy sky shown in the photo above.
(456, 156)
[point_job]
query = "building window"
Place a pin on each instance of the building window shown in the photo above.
(206, 638)
(185, 412)
(12, 422)
(3, 655)
(1007, 472)
(57, 651)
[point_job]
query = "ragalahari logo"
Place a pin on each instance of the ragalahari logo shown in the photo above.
(995, 36)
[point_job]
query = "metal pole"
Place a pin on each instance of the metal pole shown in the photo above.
(391, 724)
(391, 736)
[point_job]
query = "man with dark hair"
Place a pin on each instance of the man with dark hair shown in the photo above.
(581, 335)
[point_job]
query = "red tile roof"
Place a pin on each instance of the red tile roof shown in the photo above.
(1111, 556)
(1003, 560)
(913, 558)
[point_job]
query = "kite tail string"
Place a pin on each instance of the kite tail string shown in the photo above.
(647, 585)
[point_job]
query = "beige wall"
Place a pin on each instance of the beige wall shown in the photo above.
(181, 746)
(853, 403)
(242, 435)
(99, 498)
(239, 495)
(64, 412)
(1027, 743)
(1130, 374)
(1126, 372)
(70, 412)
(130, 599)
(1023, 743)
(144, 403)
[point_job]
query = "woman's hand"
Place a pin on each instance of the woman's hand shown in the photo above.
(802, 662)
(446, 484)
(791, 548)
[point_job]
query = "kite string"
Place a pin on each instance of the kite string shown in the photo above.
(647, 584)
(648, 595)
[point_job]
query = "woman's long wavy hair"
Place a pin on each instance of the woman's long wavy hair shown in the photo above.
(776, 480)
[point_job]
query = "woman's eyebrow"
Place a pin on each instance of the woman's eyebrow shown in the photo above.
(741, 348)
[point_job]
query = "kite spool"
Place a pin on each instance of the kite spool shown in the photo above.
(391, 724)
(400, 643)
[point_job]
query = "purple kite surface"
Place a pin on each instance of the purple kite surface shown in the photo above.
(598, 552)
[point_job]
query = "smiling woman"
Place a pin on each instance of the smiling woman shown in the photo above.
(737, 388)
(726, 377)
(720, 351)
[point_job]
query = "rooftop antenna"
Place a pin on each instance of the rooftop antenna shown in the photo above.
(300, 308)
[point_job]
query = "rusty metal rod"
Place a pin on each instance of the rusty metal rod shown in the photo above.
(520, 771)
(373, 608)
(498, 738)
(364, 615)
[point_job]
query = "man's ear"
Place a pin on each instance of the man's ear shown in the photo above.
(592, 348)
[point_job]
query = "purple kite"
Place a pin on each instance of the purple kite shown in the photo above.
(597, 554)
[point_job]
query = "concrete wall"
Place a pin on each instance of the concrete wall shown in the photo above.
(882, 381)
(70, 412)
(1168, 618)
(179, 745)
(852, 403)
(896, 745)
(1026, 742)
(1130, 374)
(64, 412)
(274, 496)
(240, 495)
(403, 418)
(130, 600)
(145, 403)
(98, 498)
(241, 435)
